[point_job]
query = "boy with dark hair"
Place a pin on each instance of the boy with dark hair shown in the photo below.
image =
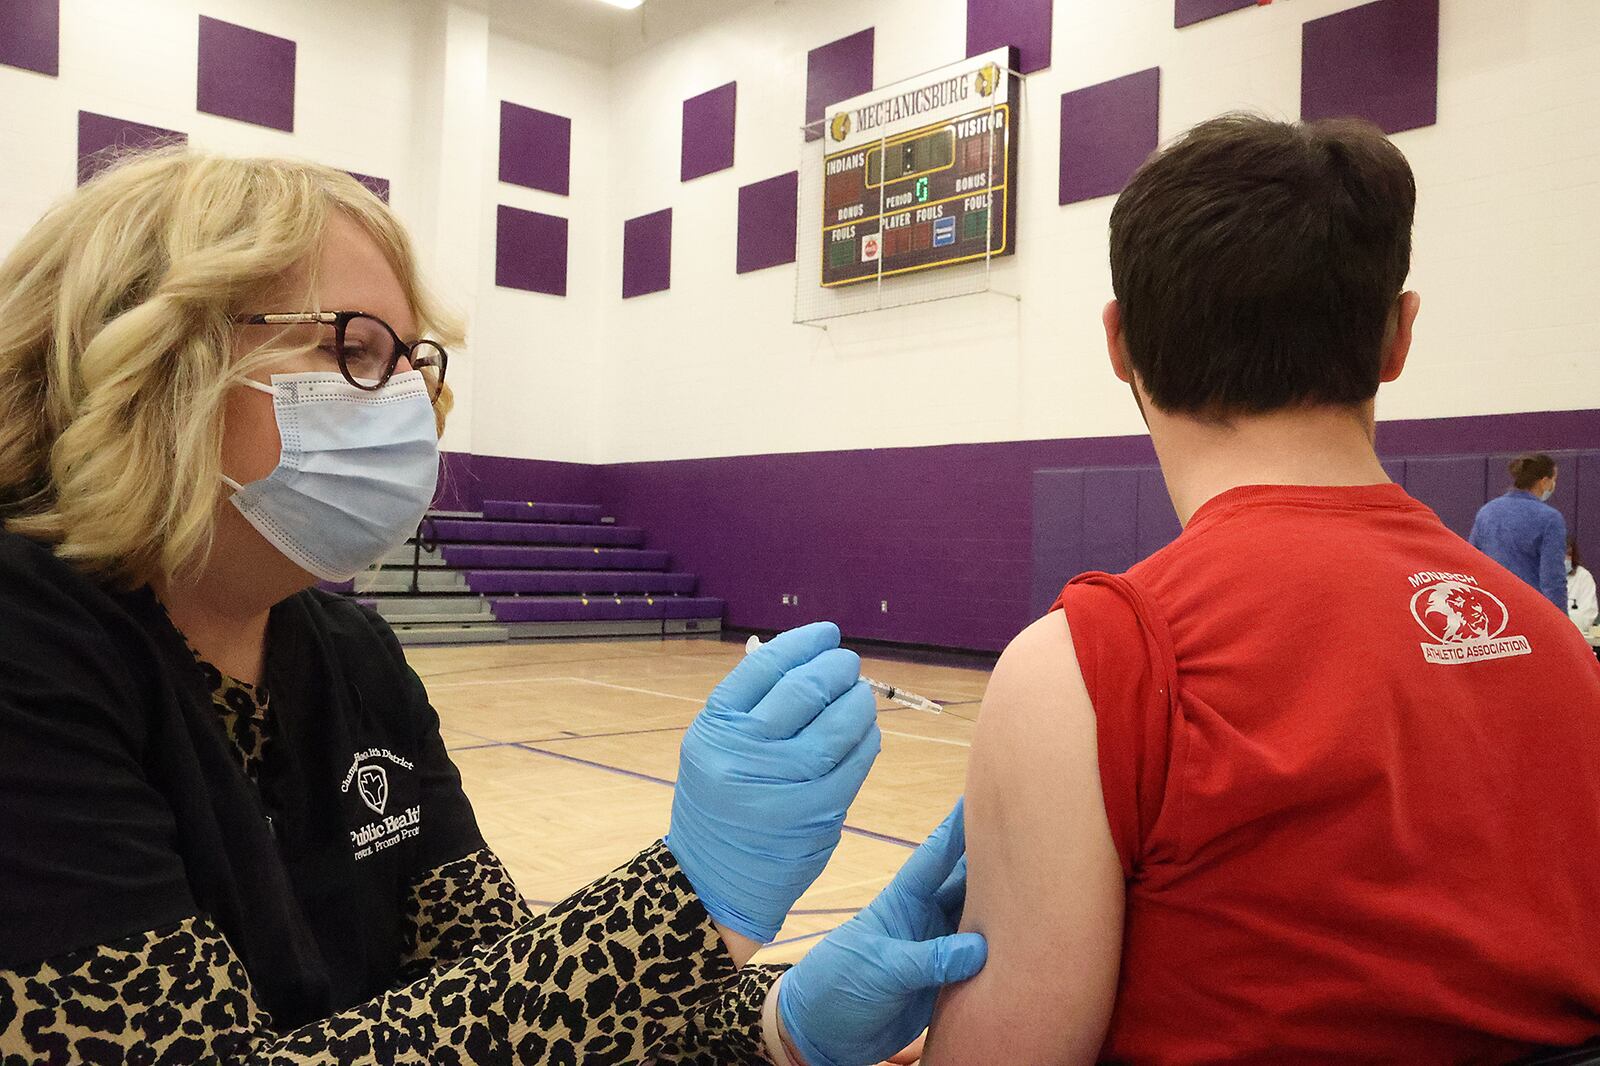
(1316, 782)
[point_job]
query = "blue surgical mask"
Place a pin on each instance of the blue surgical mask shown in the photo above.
(356, 471)
(1547, 493)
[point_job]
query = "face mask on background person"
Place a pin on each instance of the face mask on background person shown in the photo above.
(356, 472)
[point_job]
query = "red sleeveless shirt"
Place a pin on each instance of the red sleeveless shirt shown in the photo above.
(1352, 768)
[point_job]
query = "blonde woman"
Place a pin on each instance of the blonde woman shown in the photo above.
(228, 827)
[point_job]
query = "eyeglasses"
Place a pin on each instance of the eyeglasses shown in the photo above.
(367, 348)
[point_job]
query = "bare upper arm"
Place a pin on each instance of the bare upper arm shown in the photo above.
(1045, 884)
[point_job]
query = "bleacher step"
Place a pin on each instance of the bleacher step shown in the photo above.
(398, 579)
(451, 634)
(506, 556)
(525, 511)
(496, 532)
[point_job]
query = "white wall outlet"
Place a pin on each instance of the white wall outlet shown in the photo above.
(794, 598)
(883, 606)
(786, 599)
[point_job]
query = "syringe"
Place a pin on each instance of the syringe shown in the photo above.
(888, 692)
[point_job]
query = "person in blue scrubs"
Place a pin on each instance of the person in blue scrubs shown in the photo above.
(1523, 533)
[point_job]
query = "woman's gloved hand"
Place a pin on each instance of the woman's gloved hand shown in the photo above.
(765, 775)
(867, 990)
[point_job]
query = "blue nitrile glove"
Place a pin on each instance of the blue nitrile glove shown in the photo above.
(868, 989)
(766, 773)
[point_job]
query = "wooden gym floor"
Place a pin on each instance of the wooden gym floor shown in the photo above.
(568, 751)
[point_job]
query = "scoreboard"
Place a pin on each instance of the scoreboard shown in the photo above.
(920, 174)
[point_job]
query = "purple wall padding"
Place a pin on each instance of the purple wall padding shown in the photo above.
(708, 123)
(647, 254)
(1107, 131)
(837, 71)
(535, 148)
(379, 187)
(994, 24)
(1188, 12)
(103, 139)
(967, 539)
(246, 74)
(1585, 517)
(1453, 486)
(530, 251)
(30, 35)
(1379, 61)
(767, 218)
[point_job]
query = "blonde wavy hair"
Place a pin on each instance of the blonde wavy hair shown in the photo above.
(116, 345)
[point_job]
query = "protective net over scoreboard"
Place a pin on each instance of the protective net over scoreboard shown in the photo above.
(910, 190)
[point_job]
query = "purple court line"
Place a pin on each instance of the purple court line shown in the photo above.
(828, 910)
(868, 833)
(797, 939)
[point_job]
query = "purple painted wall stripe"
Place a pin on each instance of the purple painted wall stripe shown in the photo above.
(768, 212)
(530, 251)
(246, 75)
(1379, 61)
(535, 148)
(102, 140)
(30, 35)
(708, 132)
(837, 71)
(1107, 131)
(647, 254)
(1026, 24)
(1188, 12)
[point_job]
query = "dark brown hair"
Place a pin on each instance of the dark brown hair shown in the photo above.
(1530, 469)
(1257, 263)
(1572, 550)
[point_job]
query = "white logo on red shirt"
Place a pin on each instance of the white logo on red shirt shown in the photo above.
(1465, 620)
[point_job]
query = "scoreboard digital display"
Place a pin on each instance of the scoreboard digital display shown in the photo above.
(920, 174)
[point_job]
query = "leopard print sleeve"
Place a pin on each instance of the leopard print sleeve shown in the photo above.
(727, 1031)
(607, 976)
(456, 907)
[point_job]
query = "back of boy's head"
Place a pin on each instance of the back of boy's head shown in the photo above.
(1257, 264)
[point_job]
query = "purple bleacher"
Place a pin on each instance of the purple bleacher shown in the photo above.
(598, 582)
(522, 511)
(605, 609)
(516, 557)
(443, 529)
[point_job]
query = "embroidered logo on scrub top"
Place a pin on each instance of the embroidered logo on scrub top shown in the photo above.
(371, 782)
(1465, 620)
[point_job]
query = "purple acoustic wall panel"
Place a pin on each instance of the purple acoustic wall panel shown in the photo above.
(994, 24)
(767, 217)
(836, 71)
(1188, 12)
(530, 251)
(379, 187)
(708, 132)
(535, 148)
(1379, 61)
(30, 35)
(246, 74)
(647, 254)
(1107, 131)
(103, 139)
